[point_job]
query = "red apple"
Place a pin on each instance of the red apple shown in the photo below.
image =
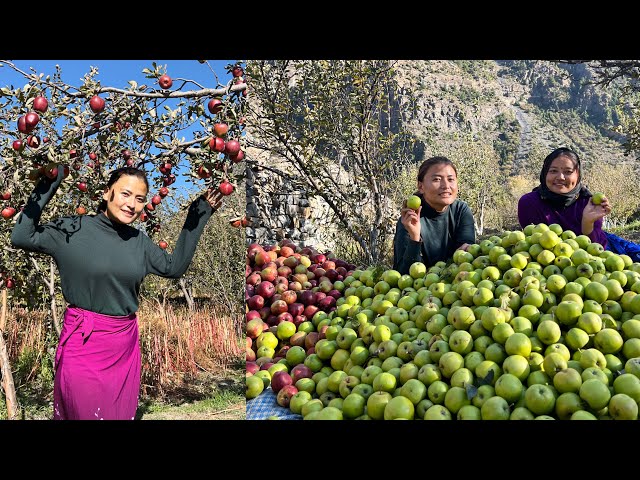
(10, 283)
(82, 186)
(220, 129)
(8, 212)
(256, 302)
(22, 125)
(18, 145)
(162, 244)
(217, 144)
(31, 119)
(232, 147)
(97, 104)
(265, 289)
(283, 398)
(164, 191)
(6, 196)
(214, 105)
(300, 371)
(81, 210)
(226, 188)
(255, 327)
(165, 81)
(279, 380)
(33, 141)
(252, 367)
(40, 104)
(156, 199)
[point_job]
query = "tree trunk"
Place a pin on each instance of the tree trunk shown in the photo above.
(187, 295)
(7, 378)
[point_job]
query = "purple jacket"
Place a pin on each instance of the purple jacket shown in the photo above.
(532, 209)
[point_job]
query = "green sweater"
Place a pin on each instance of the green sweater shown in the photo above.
(441, 234)
(103, 263)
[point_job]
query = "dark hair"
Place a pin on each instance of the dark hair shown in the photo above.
(427, 164)
(120, 172)
(559, 152)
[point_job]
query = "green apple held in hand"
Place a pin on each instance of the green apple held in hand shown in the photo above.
(414, 202)
(597, 198)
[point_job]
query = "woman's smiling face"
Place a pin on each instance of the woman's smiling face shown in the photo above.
(563, 175)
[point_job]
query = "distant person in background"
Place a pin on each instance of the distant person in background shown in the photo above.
(440, 226)
(562, 198)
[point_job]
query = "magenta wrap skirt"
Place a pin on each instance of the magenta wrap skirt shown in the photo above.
(97, 367)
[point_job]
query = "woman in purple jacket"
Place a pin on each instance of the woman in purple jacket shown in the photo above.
(561, 198)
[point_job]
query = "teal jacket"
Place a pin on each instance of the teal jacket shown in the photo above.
(441, 234)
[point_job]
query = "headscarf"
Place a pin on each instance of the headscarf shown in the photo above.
(561, 200)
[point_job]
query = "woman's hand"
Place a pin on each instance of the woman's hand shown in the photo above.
(592, 213)
(411, 220)
(214, 197)
(464, 247)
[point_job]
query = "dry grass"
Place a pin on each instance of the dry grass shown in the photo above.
(186, 355)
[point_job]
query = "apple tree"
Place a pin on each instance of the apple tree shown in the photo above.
(173, 128)
(335, 125)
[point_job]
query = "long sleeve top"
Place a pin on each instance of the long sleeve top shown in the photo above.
(532, 209)
(441, 234)
(103, 263)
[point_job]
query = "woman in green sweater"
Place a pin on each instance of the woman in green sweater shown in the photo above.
(440, 226)
(102, 261)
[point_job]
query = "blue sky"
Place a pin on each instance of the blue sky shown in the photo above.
(117, 73)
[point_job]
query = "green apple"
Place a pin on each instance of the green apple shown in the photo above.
(384, 382)
(399, 408)
(539, 399)
(509, 387)
(608, 340)
(623, 407)
(495, 408)
(469, 412)
(521, 413)
(298, 400)
(254, 387)
(567, 380)
(414, 390)
(517, 365)
(408, 371)
(582, 415)
(567, 404)
(438, 412)
(437, 391)
(353, 405)
(628, 384)
(595, 393)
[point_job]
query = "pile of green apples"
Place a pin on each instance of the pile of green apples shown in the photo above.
(531, 324)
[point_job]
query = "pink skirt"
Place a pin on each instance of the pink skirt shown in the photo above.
(97, 367)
